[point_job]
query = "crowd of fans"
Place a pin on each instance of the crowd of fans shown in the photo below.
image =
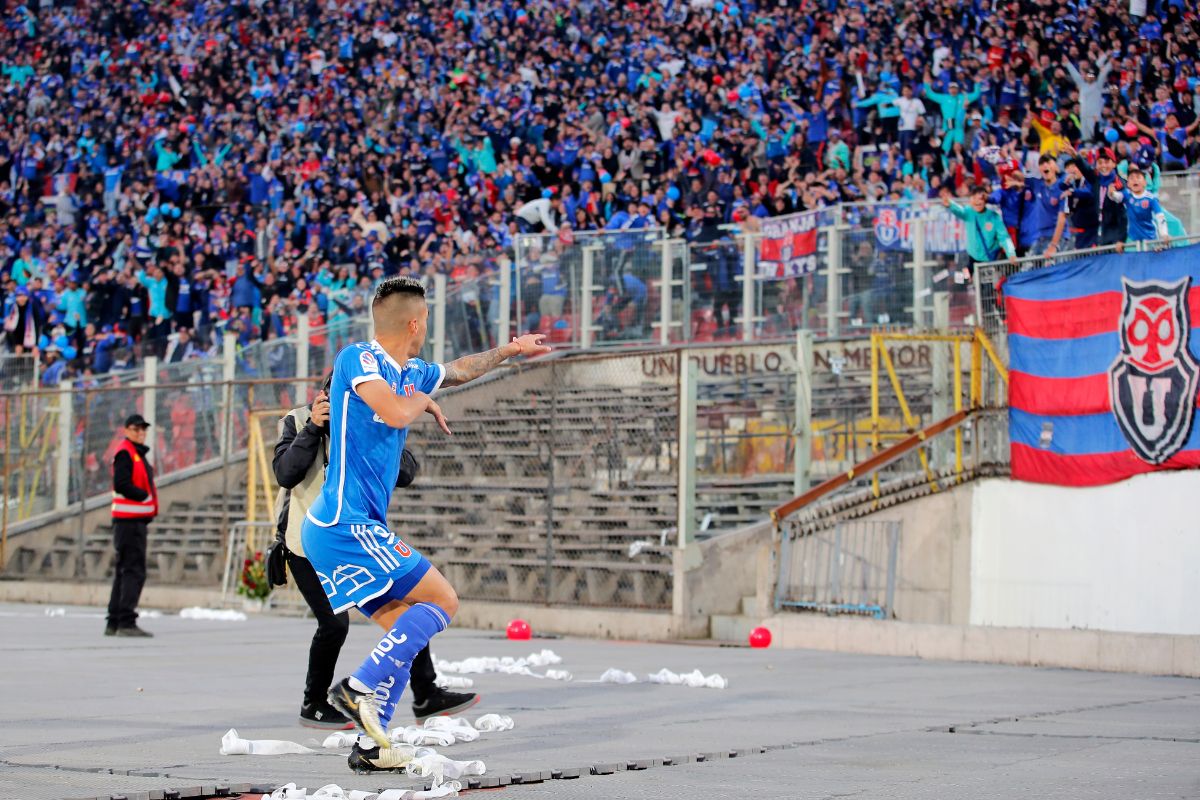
(204, 166)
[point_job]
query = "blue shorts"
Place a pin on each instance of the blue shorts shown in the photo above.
(361, 563)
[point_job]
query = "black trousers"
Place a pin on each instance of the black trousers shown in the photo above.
(331, 635)
(129, 575)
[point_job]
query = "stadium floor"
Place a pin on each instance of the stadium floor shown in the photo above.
(84, 716)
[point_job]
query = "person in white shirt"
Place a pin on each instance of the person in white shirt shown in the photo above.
(543, 211)
(911, 109)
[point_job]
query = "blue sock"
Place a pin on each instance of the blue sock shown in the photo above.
(388, 694)
(388, 665)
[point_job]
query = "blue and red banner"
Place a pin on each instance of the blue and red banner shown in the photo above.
(1104, 367)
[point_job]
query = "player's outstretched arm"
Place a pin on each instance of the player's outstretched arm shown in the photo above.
(468, 368)
(399, 411)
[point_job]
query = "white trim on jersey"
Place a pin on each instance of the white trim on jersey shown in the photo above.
(366, 539)
(359, 379)
(441, 377)
(387, 588)
(341, 470)
(387, 355)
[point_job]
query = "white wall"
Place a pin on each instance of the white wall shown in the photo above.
(1123, 557)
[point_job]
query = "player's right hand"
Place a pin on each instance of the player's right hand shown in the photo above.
(436, 410)
(320, 409)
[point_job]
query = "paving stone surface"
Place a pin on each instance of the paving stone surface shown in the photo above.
(86, 716)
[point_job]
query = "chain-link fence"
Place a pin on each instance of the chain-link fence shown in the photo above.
(591, 288)
(552, 488)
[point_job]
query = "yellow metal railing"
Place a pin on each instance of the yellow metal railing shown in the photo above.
(980, 346)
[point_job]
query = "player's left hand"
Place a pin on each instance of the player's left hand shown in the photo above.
(531, 344)
(436, 410)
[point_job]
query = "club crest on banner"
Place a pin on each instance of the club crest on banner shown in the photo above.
(887, 227)
(1152, 382)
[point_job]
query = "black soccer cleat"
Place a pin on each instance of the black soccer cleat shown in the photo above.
(444, 703)
(134, 631)
(324, 716)
(362, 708)
(378, 759)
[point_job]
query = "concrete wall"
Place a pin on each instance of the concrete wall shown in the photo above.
(1151, 654)
(933, 568)
(1122, 557)
(183, 486)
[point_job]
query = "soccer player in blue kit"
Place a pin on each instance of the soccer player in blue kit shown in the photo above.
(379, 388)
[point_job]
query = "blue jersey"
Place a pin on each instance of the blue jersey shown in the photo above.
(1146, 219)
(364, 451)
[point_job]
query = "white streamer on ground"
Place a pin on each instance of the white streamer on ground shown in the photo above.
(454, 682)
(461, 729)
(234, 745)
(612, 675)
(506, 665)
(334, 792)
(219, 614)
(490, 723)
(694, 679)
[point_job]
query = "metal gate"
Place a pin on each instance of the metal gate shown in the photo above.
(847, 569)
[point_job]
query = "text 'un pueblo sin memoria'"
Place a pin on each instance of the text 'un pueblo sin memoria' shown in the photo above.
(764, 360)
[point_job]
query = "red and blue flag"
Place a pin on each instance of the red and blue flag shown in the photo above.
(1103, 361)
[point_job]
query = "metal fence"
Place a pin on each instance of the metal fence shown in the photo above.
(848, 569)
(59, 446)
(991, 276)
(552, 488)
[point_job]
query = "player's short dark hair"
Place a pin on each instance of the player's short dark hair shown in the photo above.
(400, 285)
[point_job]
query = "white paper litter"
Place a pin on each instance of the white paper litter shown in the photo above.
(506, 665)
(56, 612)
(340, 739)
(454, 682)
(558, 675)
(221, 614)
(334, 792)
(638, 546)
(490, 723)
(461, 729)
(439, 767)
(234, 745)
(420, 737)
(694, 679)
(612, 675)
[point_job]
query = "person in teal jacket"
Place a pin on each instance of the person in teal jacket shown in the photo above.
(987, 235)
(72, 303)
(482, 158)
(954, 112)
(156, 286)
(167, 159)
(885, 98)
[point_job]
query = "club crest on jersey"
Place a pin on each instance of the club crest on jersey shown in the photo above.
(1152, 382)
(368, 362)
(409, 389)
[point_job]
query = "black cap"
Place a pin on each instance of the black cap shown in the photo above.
(136, 420)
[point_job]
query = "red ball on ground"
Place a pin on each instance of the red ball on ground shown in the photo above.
(519, 630)
(760, 637)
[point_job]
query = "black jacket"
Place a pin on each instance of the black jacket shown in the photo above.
(296, 452)
(123, 474)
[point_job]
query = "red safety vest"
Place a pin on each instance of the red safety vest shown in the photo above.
(123, 507)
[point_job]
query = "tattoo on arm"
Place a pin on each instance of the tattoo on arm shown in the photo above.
(468, 368)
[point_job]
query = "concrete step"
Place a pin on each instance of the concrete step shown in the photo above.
(730, 628)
